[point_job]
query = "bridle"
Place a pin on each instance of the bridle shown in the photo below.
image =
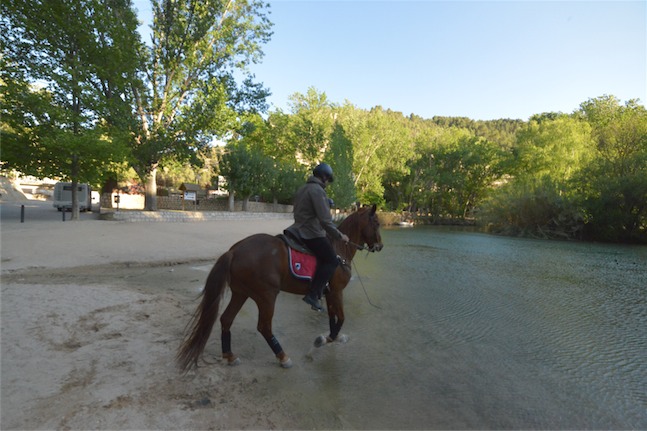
(362, 247)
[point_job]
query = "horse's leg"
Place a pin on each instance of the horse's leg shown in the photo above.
(335, 314)
(265, 315)
(235, 304)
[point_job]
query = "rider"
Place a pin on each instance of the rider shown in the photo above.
(312, 220)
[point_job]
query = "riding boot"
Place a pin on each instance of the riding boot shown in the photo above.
(313, 298)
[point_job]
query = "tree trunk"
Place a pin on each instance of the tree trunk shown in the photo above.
(231, 201)
(246, 203)
(150, 199)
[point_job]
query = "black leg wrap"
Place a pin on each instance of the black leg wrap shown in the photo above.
(335, 327)
(274, 345)
(225, 342)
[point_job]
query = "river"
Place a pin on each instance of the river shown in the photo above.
(463, 330)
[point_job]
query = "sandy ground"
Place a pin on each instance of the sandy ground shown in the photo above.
(92, 313)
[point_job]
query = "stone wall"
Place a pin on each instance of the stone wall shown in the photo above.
(191, 216)
(175, 202)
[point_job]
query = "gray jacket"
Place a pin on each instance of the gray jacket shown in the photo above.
(312, 217)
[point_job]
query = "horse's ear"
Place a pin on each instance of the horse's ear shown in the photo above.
(373, 208)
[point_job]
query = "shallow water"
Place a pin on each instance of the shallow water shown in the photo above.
(487, 332)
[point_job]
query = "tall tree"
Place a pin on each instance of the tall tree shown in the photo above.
(190, 94)
(556, 147)
(340, 158)
(65, 67)
(311, 124)
(247, 171)
(382, 143)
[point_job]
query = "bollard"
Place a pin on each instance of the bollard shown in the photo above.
(63, 211)
(22, 213)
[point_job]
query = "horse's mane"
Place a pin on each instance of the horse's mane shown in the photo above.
(350, 223)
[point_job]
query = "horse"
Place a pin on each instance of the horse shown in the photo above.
(257, 267)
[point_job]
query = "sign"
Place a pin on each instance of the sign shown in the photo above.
(189, 196)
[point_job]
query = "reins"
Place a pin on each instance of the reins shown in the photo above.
(364, 288)
(361, 247)
(357, 246)
(370, 249)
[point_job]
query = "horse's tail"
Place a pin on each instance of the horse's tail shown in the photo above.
(205, 315)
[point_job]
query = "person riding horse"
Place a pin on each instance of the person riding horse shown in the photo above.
(258, 268)
(312, 221)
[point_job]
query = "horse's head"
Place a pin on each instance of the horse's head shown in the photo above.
(370, 229)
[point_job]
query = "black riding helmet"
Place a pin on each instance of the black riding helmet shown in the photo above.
(323, 171)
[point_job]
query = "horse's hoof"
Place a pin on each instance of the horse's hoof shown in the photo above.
(342, 338)
(287, 363)
(320, 341)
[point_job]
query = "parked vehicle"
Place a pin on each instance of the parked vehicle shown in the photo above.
(63, 196)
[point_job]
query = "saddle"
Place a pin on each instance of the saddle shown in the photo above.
(301, 260)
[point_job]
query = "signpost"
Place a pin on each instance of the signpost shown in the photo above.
(189, 196)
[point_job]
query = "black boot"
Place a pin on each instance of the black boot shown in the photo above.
(313, 298)
(314, 302)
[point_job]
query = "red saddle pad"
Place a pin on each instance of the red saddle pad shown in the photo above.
(302, 265)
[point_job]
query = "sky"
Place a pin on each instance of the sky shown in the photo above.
(483, 60)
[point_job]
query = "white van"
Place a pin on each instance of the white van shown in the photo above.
(63, 196)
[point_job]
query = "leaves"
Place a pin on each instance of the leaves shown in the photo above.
(190, 96)
(64, 77)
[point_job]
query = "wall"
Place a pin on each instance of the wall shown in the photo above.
(136, 202)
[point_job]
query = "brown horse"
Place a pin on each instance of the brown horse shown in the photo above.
(257, 267)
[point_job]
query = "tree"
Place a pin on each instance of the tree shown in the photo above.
(189, 92)
(340, 158)
(246, 171)
(311, 124)
(64, 72)
(613, 187)
(539, 198)
(556, 147)
(381, 143)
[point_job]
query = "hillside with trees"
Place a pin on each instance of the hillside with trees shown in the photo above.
(93, 103)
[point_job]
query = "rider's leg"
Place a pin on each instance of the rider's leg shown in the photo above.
(326, 264)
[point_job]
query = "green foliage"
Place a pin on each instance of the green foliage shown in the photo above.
(188, 92)
(613, 186)
(247, 170)
(311, 124)
(65, 68)
(535, 209)
(382, 143)
(501, 131)
(578, 176)
(283, 181)
(454, 171)
(283, 175)
(555, 148)
(340, 158)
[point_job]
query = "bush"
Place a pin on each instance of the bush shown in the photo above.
(532, 210)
